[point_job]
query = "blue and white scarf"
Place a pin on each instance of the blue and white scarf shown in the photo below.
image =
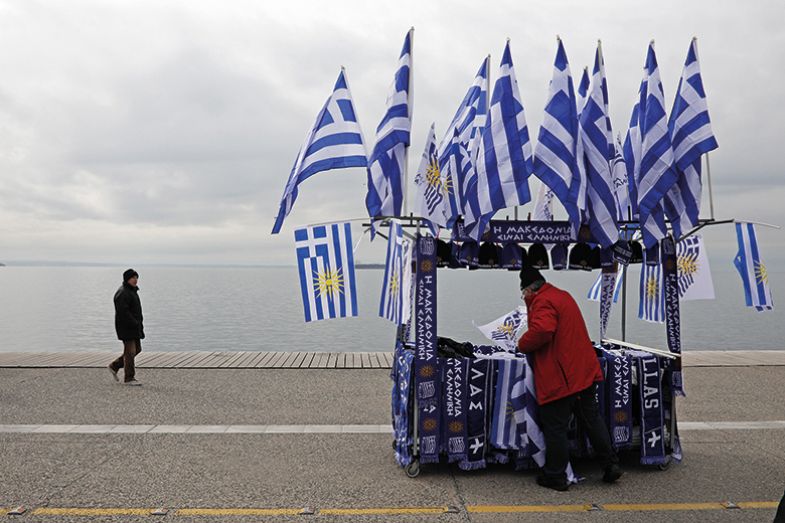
(455, 392)
(652, 442)
(619, 385)
(670, 281)
(426, 360)
(400, 405)
(480, 371)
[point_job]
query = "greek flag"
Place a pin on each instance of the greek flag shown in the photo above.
(631, 151)
(454, 165)
(656, 171)
(596, 289)
(335, 142)
(387, 163)
(326, 264)
(466, 125)
(598, 149)
(555, 155)
(620, 181)
(652, 296)
(502, 161)
(694, 273)
(752, 270)
(583, 89)
(394, 304)
(510, 380)
(691, 136)
(432, 188)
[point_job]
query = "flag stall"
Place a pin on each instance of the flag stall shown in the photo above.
(475, 405)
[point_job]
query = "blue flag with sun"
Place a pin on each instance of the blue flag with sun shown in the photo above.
(326, 264)
(754, 276)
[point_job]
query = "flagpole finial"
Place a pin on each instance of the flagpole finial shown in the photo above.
(343, 69)
(651, 42)
(694, 38)
(558, 38)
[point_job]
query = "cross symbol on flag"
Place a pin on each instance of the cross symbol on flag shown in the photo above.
(654, 439)
(475, 446)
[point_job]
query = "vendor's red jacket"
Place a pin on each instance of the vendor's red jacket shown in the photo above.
(558, 345)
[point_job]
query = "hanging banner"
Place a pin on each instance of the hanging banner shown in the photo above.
(426, 364)
(670, 280)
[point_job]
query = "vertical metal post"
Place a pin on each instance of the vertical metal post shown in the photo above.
(410, 103)
(711, 194)
(624, 305)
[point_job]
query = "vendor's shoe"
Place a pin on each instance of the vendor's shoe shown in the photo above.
(114, 372)
(612, 473)
(545, 481)
(133, 383)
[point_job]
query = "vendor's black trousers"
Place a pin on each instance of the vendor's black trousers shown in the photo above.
(554, 420)
(130, 349)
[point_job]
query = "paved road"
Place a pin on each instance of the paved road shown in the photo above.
(335, 471)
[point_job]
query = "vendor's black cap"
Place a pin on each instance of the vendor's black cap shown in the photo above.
(489, 256)
(559, 256)
(538, 256)
(443, 253)
(529, 275)
(513, 256)
(130, 273)
(579, 257)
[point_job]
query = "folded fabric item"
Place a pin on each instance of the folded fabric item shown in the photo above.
(579, 257)
(649, 387)
(452, 348)
(513, 256)
(489, 256)
(469, 254)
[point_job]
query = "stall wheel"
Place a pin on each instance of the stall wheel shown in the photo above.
(667, 464)
(413, 469)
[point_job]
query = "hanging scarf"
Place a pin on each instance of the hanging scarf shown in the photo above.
(670, 278)
(652, 443)
(608, 288)
(454, 390)
(400, 404)
(480, 371)
(619, 383)
(426, 361)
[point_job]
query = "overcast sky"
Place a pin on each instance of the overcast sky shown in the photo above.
(163, 132)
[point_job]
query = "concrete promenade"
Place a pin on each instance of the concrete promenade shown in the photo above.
(297, 444)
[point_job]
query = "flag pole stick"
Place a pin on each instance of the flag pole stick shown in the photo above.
(410, 100)
(624, 306)
(711, 194)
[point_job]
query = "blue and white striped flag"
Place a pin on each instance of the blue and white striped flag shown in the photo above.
(502, 160)
(596, 289)
(394, 304)
(433, 188)
(454, 165)
(596, 138)
(334, 142)
(652, 294)
(631, 151)
(621, 181)
(326, 264)
(691, 137)
(583, 90)
(555, 155)
(505, 431)
(754, 276)
(464, 129)
(387, 163)
(657, 175)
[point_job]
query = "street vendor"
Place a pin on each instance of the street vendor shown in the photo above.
(566, 372)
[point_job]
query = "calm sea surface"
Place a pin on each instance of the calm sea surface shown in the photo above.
(226, 309)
